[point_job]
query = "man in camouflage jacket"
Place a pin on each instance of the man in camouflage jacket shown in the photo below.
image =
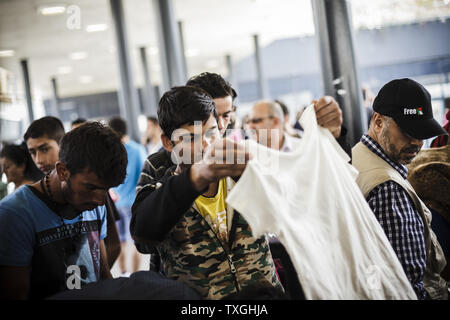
(166, 218)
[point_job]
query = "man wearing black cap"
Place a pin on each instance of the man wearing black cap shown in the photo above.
(402, 119)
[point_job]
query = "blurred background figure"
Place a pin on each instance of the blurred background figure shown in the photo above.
(288, 128)
(444, 140)
(429, 174)
(368, 99)
(266, 120)
(3, 186)
(18, 166)
(245, 127)
(126, 194)
(78, 122)
(152, 136)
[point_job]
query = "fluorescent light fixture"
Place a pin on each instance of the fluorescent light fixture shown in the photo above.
(191, 53)
(153, 50)
(6, 53)
(96, 27)
(85, 79)
(78, 55)
(212, 64)
(64, 70)
(52, 10)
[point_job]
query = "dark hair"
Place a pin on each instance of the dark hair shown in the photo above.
(19, 155)
(154, 120)
(283, 107)
(214, 84)
(47, 126)
(79, 121)
(119, 126)
(182, 105)
(98, 148)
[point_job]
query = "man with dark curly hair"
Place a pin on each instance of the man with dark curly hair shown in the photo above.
(51, 232)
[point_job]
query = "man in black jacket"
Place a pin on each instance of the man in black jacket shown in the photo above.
(183, 215)
(180, 211)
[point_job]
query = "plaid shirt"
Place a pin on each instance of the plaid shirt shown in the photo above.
(400, 220)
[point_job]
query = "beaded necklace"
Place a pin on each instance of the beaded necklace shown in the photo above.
(73, 238)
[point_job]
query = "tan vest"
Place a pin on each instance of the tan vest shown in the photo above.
(374, 171)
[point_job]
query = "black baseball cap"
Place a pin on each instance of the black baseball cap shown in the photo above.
(409, 104)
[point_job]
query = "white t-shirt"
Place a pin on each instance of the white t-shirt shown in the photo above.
(309, 199)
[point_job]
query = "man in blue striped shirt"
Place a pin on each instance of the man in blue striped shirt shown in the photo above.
(402, 119)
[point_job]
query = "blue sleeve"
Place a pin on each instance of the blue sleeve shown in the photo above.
(17, 238)
(142, 158)
(103, 231)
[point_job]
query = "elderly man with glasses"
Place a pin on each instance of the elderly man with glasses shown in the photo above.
(266, 121)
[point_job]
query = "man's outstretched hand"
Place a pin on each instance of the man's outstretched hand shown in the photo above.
(224, 158)
(329, 115)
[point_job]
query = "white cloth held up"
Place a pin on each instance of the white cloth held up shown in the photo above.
(310, 200)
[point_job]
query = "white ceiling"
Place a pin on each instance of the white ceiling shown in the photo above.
(212, 29)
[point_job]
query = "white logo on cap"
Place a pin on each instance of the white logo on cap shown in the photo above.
(417, 111)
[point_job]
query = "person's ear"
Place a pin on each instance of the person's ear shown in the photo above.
(61, 171)
(377, 121)
(21, 168)
(166, 142)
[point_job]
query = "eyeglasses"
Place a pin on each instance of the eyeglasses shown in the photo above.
(258, 120)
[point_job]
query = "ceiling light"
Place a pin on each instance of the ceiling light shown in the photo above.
(52, 10)
(96, 27)
(212, 64)
(85, 79)
(78, 55)
(64, 70)
(153, 50)
(191, 53)
(6, 53)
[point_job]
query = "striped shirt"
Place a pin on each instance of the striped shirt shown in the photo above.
(400, 220)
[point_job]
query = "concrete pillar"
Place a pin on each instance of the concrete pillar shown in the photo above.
(128, 100)
(171, 54)
(339, 67)
(27, 87)
(55, 98)
(263, 89)
(183, 50)
(148, 92)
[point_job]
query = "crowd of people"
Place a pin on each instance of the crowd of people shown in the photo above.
(82, 196)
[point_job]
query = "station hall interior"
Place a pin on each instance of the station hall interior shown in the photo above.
(79, 56)
(99, 59)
